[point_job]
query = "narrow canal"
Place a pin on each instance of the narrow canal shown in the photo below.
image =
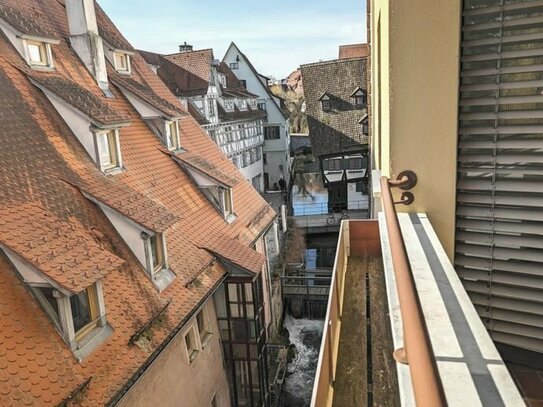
(305, 334)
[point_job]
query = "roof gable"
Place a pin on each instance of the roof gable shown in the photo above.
(234, 47)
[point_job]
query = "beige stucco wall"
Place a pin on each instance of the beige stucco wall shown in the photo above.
(415, 73)
(171, 381)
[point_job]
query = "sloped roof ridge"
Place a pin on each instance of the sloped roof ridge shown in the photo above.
(79, 97)
(334, 61)
(255, 72)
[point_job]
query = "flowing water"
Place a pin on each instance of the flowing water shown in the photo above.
(305, 335)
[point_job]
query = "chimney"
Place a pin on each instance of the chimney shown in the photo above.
(185, 47)
(86, 41)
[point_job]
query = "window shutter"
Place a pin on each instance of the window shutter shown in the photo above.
(499, 237)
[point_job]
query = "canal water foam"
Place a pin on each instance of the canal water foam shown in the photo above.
(305, 335)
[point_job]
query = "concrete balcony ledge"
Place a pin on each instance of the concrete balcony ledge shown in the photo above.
(363, 325)
(470, 368)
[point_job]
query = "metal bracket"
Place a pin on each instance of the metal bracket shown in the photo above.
(407, 198)
(405, 180)
(411, 180)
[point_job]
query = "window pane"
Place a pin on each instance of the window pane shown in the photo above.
(238, 330)
(156, 250)
(248, 292)
(234, 310)
(105, 152)
(121, 61)
(36, 53)
(232, 292)
(223, 325)
(201, 323)
(81, 310)
(242, 383)
(47, 293)
(250, 309)
(239, 351)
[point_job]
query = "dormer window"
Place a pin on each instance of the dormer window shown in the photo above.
(85, 312)
(157, 251)
(38, 54)
(243, 104)
(228, 104)
(108, 147)
(76, 316)
(227, 204)
(122, 62)
(172, 135)
(359, 97)
(222, 80)
(326, 103)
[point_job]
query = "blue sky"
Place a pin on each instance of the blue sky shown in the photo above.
(277, 35)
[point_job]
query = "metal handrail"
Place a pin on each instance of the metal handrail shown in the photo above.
(417, 350)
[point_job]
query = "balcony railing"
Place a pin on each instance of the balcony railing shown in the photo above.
(400, 328)
(323, 208)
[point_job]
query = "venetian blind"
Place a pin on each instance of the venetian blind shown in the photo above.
(499, 239)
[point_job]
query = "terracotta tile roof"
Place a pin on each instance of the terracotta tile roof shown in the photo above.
(28, 18)
(207, 167)
(146, 93)
(353, 51)
(98, 110)
(180, 81)
(198, 63)
(64, 250)
(152, 58)
(39, 154)
(144, 211)
(240, 255)
(338, 130)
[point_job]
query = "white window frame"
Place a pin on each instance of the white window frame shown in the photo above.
(226, 193)
(151, 269)
(123, 70)
(65, 318)
(45, 47)
(210, 107)
(177, 141)
(117, 165)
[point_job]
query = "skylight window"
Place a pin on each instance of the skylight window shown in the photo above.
(122, 62)
(39, 54)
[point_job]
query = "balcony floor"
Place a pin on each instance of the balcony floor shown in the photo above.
(365, 378)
